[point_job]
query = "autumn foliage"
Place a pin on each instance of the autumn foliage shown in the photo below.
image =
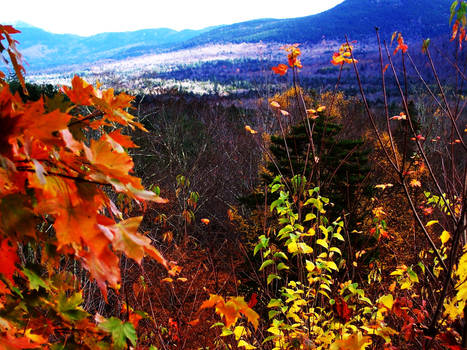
(59, 165)
(387, 270)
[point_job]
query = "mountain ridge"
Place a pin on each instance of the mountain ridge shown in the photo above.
(356, 18)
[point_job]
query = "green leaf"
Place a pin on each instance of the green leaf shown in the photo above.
(69, 308)
(34, 280)
(218, 324)
(257, 247)
(281, 255)
(226, 332)
(267, 339)
(310, 216)
(285, 230)
(275, 204)
(121, 332)
(275, 187)
(272, 277)
(273, 313)
(420, 264)
(282, 266)
(265, 264)
(275, 303)
(412, 275)
(426, 44)
(453, 11)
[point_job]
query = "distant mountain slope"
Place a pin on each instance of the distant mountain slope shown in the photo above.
(43, 49)
(356, 18)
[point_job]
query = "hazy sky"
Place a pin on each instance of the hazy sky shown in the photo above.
(87, 17)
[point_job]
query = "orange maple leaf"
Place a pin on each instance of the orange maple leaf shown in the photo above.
(354, 342)
(400, 44)
(280, 69)
(127, 240)
(80, 92)
(232, 309)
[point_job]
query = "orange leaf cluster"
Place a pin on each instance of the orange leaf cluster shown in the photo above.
(231, 310)
(344, 55)
(457, 28)
(46, 170)
(280, 69)
(292, 56)
(15, 57)
(400, 44)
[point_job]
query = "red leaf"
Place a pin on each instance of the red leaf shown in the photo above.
(281, 69)
(8, 259)
(342, 309)
(449, 341)
(253, 300)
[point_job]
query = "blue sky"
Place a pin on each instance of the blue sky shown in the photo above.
(87, 17)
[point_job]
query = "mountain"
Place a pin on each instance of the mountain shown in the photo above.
(43, 49)
(356, 18)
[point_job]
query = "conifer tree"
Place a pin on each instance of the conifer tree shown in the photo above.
(342, 164)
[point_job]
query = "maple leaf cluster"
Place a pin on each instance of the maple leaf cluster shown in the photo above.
(48, 172)
(400, 43)
(344, 55)
(53, 175)
(293, 52)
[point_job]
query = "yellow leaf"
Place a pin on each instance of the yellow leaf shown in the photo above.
(36, 338)
(406, 285)
(250, 130)
(384, 186)
(310, 266)
(332, 265)
(452, 310)
(430, 223)
(305, 248)
(275, 104)
(167, 279)
(445, 237)
(292, 247)
(387, 301)
(239, 331)
(245, 345)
